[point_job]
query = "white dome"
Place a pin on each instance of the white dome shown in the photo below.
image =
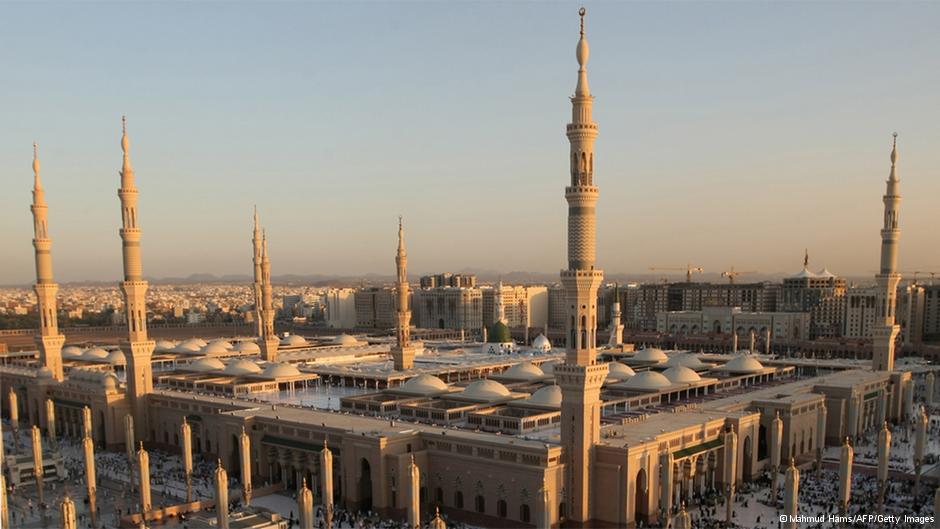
(524, 371)
(293, 340)
(215, 348)
(206, 364)
(650, 354)
(242, 367)
(247, 347)
(647, 381)
(423, 385)
(164, 346)
(744, 363)
(619, 371)
(485, 390)
(689, 360)
(189, 346)
(95, 353)
(224, 343)
(71, 351)
(681, 375)
(116, 358)
(198, 342)
(542, 343)
(278, 370)
(547, 396)
(345, 340)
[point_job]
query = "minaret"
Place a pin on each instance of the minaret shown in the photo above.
(403, 354)
(49, 340)
(256, 261)
(498, 305)
(268, 341)
(616, 328)
(580, 377)
(885, 331)
(138, 348)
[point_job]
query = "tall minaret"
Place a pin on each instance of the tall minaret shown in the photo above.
(885, 331)
(580, 377)
(138, 348)
(49, 340)
(268, 341)
(256, 260)
(403, 354)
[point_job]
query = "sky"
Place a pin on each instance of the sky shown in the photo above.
(731, 133)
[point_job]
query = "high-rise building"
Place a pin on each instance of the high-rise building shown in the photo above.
(931, 327)
(341, 309)
(580, 376)
(448, 279)
(859, 312)
(886, 328)
(822, 294)
(523, 305)
(449, 308)
(911, 304)
(375, 308)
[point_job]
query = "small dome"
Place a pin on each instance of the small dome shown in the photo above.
(485, 389)
(71, 351)
(164, 346)
(542, 343)
(345, 340)
(242, 367)
(647, 381)
(744, 363)
(524, 371)
(116, 358)
(206, 364)
(95, 353)
(247, 347)
(215, 349)
(499, 333)
(619, 371)
(293, 340)
(548, 396)
(44, 372)
(110, 382)
(681, 375)
(280, 370)
(689, 360)
(222, 343)
(423, 385)
(650, 354)
(198, 342)
(188, 347)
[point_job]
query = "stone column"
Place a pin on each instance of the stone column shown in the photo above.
(143, 464)
(884, 449)
(665, 486)
(305, 506)
(820, 434)
(734, 342)
(908, 394)
(67, 510)
(730, 471)
(545, 509)
(791, 495)
(845, 476)
(87, 427)
(852, 423)
(920, 443)
(221, 497)
(767, 342)
(129, 446)
(15, 419)
(244, 445)
(186, 432)
(930, 387)
(50, 423)
(776, 440)
(414, 495)
(88, 447)
(326, 482)
(37, 461)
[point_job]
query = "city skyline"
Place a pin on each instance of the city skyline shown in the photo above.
(299, 157)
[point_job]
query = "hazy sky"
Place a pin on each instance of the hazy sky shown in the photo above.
(730, 133)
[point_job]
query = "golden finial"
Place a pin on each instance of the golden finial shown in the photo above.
(36, 162)
(581, 13)
(894, 149)
(124, 143)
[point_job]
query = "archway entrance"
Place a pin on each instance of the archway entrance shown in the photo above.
(747, 458)
(641, 508)
(365, 485)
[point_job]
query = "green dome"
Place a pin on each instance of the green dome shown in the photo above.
(498, 333)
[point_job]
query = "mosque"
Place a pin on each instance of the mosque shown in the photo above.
(498, 435)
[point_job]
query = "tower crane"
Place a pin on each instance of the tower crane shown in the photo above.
(732, 273)
(689, 270)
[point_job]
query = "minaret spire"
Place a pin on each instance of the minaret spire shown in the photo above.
(403, 353)
(269, 342)
(49, 341)
(581, 377)
(138, 348)
(256, 261)
(883, 336)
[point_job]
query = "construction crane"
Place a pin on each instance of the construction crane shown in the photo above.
(732, 273)
(689, 270)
